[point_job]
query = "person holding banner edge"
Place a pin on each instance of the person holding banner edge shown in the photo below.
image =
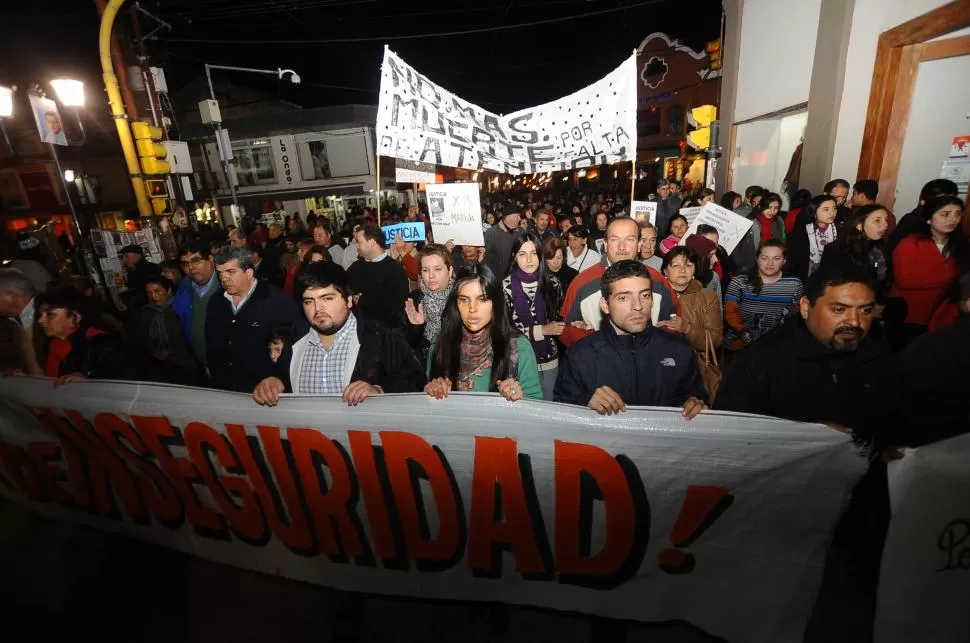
(629, 361)
(342, 353)
(477, 348)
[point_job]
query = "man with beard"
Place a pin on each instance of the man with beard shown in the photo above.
(342, 353)
(820, 365)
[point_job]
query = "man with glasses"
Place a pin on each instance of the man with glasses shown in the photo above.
(192, 298)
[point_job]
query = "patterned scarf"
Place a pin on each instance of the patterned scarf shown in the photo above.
(434, 306)
(476, 356)
(157, 330)
(818, 238)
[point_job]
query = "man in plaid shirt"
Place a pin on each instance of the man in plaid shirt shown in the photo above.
(343, 352)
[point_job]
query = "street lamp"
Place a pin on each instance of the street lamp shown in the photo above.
(70, 92)
(6, 111)
(223, 143)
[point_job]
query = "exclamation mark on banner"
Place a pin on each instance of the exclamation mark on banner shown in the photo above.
(702, 506)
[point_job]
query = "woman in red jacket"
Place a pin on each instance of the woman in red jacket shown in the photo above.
(927, 262)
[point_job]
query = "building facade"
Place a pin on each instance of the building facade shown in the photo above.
(673, 78)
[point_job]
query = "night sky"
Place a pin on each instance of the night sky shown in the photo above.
(501, 70)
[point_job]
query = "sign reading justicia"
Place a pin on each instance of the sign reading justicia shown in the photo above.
(421, 121)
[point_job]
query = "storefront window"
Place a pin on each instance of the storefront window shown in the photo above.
(314, 160)
(254, 163)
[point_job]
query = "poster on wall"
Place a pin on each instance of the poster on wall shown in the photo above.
(960, 147)
(456, 213)
(48, 119)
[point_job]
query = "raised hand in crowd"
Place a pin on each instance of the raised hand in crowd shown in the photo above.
(415, 314)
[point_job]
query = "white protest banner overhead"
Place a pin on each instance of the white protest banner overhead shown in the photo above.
(924, 584)
(421, 121)
(413, 172)
(731, 227)
(645, 211)
(456, 213)
(722, 521)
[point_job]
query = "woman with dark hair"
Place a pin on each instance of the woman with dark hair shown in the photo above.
(477, 348)
(700, 198)
(80, 348)
(316, 254)
(700, 309)
(929, 260)
(554, 252)
(731, 201)
(798, 202)
(706, 251)
(814, 230)
(156, 338)
(425, 305)
(767, 224)
(678, 228)
(172, 270)
(760, 299)
(534, 297)
(863, 240)
(580, 255)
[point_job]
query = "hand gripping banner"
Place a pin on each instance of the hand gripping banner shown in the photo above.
(418, 120)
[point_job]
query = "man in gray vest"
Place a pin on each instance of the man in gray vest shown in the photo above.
(192, 297)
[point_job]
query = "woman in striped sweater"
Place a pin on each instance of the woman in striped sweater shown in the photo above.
(759, 300)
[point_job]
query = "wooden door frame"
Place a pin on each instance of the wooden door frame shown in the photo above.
(898, 56)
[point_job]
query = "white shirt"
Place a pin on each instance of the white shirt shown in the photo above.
(336, 254)
(28, 314)
(380, 257)
(585, 259)
(350, 256)
(242, 302)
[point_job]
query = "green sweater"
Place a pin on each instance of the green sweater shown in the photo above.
(528, 370)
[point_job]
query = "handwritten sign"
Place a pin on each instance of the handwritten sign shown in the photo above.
(422, 121)
(730, 226)
(409, 232)
(456, 213)
(645, 211)
(690, 214)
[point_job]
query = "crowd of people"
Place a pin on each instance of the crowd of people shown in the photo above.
(570, 299)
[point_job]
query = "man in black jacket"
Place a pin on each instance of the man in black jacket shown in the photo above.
(628, 361)
(342, 353)
(821, 366)
(238, 322)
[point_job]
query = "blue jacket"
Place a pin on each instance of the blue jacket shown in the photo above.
(182, 304)
(652, 368)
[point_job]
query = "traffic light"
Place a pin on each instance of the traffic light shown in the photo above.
(701, 118)
(158, 194)
(150, 150)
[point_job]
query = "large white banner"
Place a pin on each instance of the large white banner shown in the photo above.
(924, 584)
(721, 522)
(421, 121)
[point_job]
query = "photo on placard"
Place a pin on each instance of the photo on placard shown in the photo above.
(436, 205)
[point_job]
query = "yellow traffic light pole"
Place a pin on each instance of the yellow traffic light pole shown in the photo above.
(118, 108)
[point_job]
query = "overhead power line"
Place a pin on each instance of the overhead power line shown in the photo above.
(441, 34)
